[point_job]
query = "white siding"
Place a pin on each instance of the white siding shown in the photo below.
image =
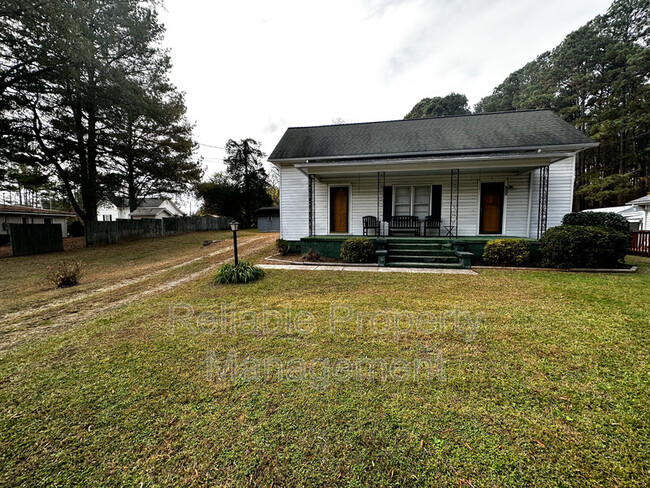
(560, 190)
(294, 212)
(32, 219)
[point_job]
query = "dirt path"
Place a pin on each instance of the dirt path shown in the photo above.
(19, 327)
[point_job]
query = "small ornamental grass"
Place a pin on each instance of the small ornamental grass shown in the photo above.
(312, 255)
(65, 273)
(506, 252)
(283, 246)
(243, 272)
(358, 250)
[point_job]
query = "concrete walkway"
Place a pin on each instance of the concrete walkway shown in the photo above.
(366, 269)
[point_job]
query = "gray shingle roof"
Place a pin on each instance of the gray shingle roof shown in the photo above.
(502, 131)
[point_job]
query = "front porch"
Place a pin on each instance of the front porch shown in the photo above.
(508, 198)
(412, 251)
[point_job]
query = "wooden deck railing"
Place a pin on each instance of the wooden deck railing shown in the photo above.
(640, 243)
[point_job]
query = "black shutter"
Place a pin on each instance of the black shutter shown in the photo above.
(388, 203)
(436, 202)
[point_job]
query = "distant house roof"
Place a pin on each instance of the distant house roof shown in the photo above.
(144, 203)
(151, 202)
(630, 212)
(266, 211)
(640, 201)
(148, 211)
(19, 209)
(478, 133)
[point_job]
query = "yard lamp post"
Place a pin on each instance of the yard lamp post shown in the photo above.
(234, 225)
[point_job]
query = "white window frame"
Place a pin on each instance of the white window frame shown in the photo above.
(412, 191)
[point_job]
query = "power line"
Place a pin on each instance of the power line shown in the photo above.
(210, 145)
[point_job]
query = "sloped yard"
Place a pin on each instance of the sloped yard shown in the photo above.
(342, 379)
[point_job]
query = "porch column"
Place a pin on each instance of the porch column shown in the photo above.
(453, 203)
(381, 183)
(312, 214)
(542, 209)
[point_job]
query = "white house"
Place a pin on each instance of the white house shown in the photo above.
(18, 214)
(150, 208)
(633, 214)
(644, 204)
(482, 175)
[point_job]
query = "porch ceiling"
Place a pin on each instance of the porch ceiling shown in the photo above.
(491, 163)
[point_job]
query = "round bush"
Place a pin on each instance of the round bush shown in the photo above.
(598, 219)
(581, 246)
(358, 250)
(507, 252)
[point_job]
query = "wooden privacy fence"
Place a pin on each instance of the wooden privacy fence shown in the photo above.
(128, 229)
(640, 243)
(35, 238)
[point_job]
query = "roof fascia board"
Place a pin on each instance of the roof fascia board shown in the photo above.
(13, 212)
(428, 165)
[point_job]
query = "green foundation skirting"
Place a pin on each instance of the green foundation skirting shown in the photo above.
(330, 245)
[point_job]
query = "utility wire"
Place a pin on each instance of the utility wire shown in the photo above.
(210, 145)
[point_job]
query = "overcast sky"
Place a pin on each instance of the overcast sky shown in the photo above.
(252, 68)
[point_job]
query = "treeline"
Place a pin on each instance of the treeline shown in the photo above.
(86, 104)
(598, 80)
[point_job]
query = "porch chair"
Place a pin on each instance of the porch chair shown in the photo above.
(370, 222)
(430, 222)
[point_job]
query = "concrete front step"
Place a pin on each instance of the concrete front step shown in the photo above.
(418, 246)
(421, 252)
(421, 259)
(424, 265)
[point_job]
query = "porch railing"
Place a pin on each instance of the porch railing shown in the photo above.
(640, 243)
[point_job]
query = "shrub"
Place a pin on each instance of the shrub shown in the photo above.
(76, 229)
(598, 219)
(581, 246)
(65, 273)
(283, 246)
(244, 272)
(311, 255)
(507, 252)
(358, 250)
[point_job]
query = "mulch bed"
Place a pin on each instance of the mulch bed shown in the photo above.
(298, 257)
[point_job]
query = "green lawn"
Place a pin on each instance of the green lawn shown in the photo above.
(23, 283)
(542, 381)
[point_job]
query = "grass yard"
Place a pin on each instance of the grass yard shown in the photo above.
(501, 379)
(23, 284)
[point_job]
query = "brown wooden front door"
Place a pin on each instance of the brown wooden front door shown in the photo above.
(339, 209)
(491, 221)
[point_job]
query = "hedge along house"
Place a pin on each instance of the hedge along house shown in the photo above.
(467, 179)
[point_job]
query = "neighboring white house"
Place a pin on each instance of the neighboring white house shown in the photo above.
(17, 214)
(495, 174)
(149, 208)
(633, 214)
(644, 204)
